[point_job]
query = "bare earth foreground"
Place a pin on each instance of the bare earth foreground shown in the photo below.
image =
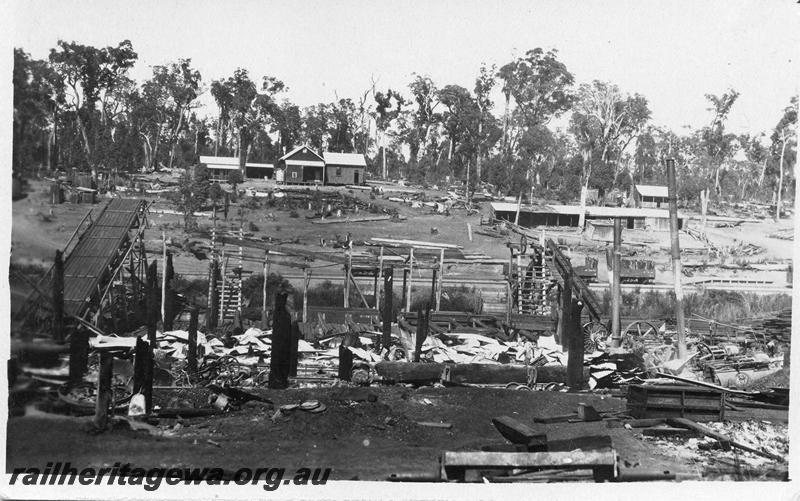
(357, 438)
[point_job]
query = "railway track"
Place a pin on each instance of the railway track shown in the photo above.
(491, 284)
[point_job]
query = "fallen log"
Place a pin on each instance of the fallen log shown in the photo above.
(422, 373)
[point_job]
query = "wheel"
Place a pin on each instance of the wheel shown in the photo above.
(637, 334)
(595, 336)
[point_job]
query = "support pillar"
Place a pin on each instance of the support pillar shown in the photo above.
(78, 354)
(169, 294)
(105, 397)
(616, 286)
(58, 296)
(388, 286)
(281, 344)
(574, 335)
(672, 191)
(213, 298)
(191, 358)
(439, 283)
(410, 278)
(306, 282)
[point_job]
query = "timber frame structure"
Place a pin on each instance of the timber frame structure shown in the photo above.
(101, 267)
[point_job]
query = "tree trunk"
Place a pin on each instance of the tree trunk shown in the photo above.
(242, 149)
(87, 147)
(154, 159)
(505, 122)
(218, 136)
(780, 179)
(478, 152)
(383, 161)
(763, 171)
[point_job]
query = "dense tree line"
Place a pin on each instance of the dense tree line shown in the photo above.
(80, 109)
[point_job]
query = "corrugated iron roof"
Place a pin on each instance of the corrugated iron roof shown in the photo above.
(649, 190)
(300, 148)
(345, 159)
(227, 163)
(591, 210)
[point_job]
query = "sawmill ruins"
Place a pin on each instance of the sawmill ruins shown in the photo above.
(113, 331)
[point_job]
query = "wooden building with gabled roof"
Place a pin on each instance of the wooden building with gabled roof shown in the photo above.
(302, 165)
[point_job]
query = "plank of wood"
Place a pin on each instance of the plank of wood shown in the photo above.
(645, 423)
(724, 440)
(563, 418)
(667, 431)
(365, 219)
(515, 431)
(415, 243)
(510, 460)
(704, 430)
(433, 424)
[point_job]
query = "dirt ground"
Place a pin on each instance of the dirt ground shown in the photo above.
(359, 439)
(36, 233)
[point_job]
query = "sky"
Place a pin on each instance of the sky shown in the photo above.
(671, 52)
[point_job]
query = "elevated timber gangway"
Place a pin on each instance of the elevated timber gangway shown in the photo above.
(93, 260)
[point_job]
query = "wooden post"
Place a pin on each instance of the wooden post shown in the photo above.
(616, 286)
(374, 287)
(519, 206)
(105, 398)
(345, 362)
(264, 292)
(439, 282)
(676, 255)
(410, 277)
(405, 288)
(469, 231)
(163, 279)
(566, 310)
(388, 286)
(58, 296)
(222, 292)
(574, 335)
(281, 344)
(347, 280)
(78, 354)
(152, 321)
(432, 300)
(380, 279)
(295, 341)
(152, 302)
(141, 352)
(421, 332)
(306, 281)
(509, 304)
(168, 294)
(191, 358)
(213, 299)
